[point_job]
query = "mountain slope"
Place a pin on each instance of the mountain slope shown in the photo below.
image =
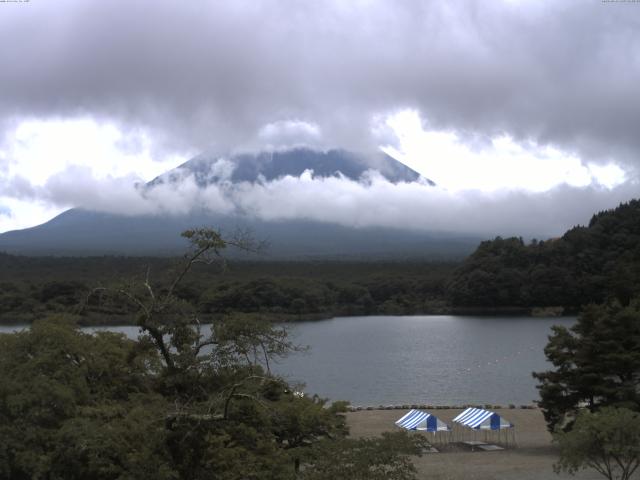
(273, 165)
(78, 231)
(81, 232)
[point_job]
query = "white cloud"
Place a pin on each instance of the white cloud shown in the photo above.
(485, 186)
(371, 201)
(47, 166)
(26, 213)
(610, 175)
(492, 164)
(289, 133)
(417, 206)
(39, 149)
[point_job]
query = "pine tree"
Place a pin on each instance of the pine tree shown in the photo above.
(597, 363)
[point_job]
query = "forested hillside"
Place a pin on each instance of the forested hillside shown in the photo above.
(586, 265)
(31, 287)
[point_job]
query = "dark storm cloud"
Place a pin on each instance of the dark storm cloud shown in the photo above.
(201, 74)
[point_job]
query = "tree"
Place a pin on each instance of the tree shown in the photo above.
(387, 458)
(165, 319)
(74, 406)
(587, 264)
(597, 364)
(183, 401)
(607, 441)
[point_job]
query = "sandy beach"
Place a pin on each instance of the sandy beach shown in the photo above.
(533, 458)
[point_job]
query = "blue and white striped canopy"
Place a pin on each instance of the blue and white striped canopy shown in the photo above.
(419, 420)
(481, 419)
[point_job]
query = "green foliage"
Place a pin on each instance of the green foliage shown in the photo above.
(74, 405)
(31, 288)
(586, 265)
(205, 239)
(597, 363)
(77, 406)
(178, 403)
(247, 338)
(386, 458)
(607, 441)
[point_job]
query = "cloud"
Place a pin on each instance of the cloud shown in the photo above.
(221, 74)
(369, 201)
(457, 163)
(287, 133)
(418, 206)
(100, 96)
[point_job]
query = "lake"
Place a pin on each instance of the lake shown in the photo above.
(384, 360)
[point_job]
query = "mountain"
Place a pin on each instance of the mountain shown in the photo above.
(82, 232)
(277, 164)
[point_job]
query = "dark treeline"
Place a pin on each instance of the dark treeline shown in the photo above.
(31, 287)
(590, 264)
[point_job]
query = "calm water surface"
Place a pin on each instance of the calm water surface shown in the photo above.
(422, 359)
(417, 359)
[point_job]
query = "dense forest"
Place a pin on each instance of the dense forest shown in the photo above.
(589, 264)
(31, 287)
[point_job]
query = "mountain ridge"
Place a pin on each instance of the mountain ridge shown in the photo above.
(272, 165)
(78, 231)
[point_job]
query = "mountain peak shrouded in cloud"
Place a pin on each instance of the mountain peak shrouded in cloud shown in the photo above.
(308, 202)
(250, 191)
(523, 113)
(275, 164)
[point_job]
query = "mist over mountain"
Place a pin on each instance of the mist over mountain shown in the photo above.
(79, 231)
(266, 166)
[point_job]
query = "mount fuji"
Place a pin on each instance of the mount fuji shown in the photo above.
(82, 232)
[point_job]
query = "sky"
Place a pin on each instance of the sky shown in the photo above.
(525, 113)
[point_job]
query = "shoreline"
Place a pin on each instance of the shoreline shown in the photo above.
(123, 320)
(486, 406)
(531, 459)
